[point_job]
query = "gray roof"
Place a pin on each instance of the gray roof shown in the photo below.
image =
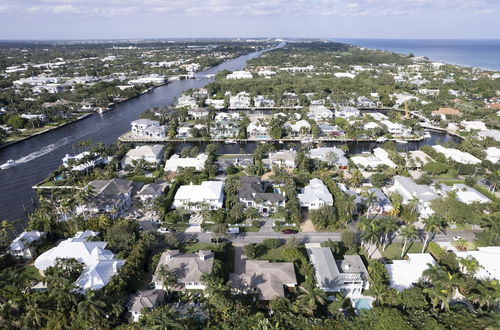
(420, 191)
(148, 299)
(236, 160)
(152, 189)
(381, 197)
(186, 267)
(252, 189)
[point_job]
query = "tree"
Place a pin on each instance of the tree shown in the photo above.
(432, 225)
(356, 177)
(219, 230)
(167, 277)
(123, 235)
(409, 233)
(251, 213)
(310, 297)
(90, 310)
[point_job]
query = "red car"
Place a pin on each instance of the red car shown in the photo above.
(289, 231)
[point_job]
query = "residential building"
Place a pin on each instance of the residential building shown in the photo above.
(144, 300)
(347, 112)
(99, 264)
(151, 154)
(240, 101)
(186, 101)
(473, 125)
(443, 112)
(347, 276)
(315, 195)
(260, 101)
(198, 113)
(227, 116)
(416, 159)
(151, 191)
(187, 269)
(403, 274)
(344, 75)
(195, 197)
(330, 130)
(308, 68)
(409, 190)
(396, 129)
(380, 157)
(175, 162)
(488, 258)
(382, 203)
(469, 195)
(267, 279)
(283, 158)
(457, 155)
(151, 79)
(253, 193)
(21, 246)
(493, 154)
(258, 131)
(299, 126)
(148, 128)
(227, 160)
(333, 156)
(239, 75)
(84, 161)
(492, 133)
(216, 104)
(377, 116)
(319, 113)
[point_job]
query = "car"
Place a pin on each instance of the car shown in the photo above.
(164, 230)
(289, 231)
(152, 286)
(457, 238)
(192, 241)
(221, 240)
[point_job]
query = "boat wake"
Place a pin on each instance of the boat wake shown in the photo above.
(45, 150)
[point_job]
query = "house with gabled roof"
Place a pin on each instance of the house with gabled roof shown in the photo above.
(253, 193)
(195, 197)
(144, 300)
(151, 154)
(315, 195)
(21, 245)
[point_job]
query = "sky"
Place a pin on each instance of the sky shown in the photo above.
(125, 19)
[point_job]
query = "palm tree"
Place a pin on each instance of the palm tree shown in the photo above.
(356, 177)
(438, 295)
(370, 200)
(219, 230)
(409, 233)
(33, 316)
(432, 225)
(397, 202)
(310, 297)
(6, 227)
(388, 226)
(90, 308)
(167, 277)
(251, 213)
(469, 265)
(371, 234)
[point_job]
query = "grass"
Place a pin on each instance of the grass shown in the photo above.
(393, 251)
(251, 229)
(192, 248)
(33, 271)
(486, 193)
(450, 182)
(141, 178)
(274, 254)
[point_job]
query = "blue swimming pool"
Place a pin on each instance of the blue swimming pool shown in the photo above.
(362, 303)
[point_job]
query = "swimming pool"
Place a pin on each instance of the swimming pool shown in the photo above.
(362, 303)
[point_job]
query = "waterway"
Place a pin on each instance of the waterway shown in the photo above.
(39, 156)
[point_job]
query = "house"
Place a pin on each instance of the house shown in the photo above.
(330, 130)
(473, 125)
(267, 279)
(468, 195)
(380, 158)
(225, 129)
(492, 133)
(186, 101)
(148, 128)
(227, 116)
(217, 104)
(382, 203)
(443, 112)
(457, 155)
(84, 161)
(175, 162)
(151, 154)
(377, 116)
(344, 75)
(403, 274)
(239, 75)
(110, 196)
(283, 158)
(186, 268)
(346, 112)
(315, 195)
(319, 113)
(194, 197)
(409, 190)
(253, 193)
(99, 264)
(347, 276)
(227, 160)
(396, 129)
(258, 131)
(198, 113)
(151, 191)
(488, 258)
(416, 159)
(40, 117)
(333, 156)
(370, 125)
(144, 300)
(308, 68)
(364, 102)
(21, 245)
(240, 101)
(260, 101)
(493, 154)
(299, 126)
(151, 79)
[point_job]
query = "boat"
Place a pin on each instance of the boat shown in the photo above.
(10, 163)
(427, 135)
(230, 141)
(381, 139)
(401, 141)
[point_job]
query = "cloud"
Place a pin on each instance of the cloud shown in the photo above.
(246, 8)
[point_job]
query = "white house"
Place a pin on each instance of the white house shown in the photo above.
(217, 104)
(492, 133)
(283, 158)
(409, 190)
(403, 274)
(148, 128)
(344, 75)
(380, 157)
(396, 129)
(260, 101)
(319, 113)
(488, 257)
(151, 79)
(198, 113)
(469, 195)
(84, 161)
(194, 197)
(299, 126)
(382, 204)
(186, 101)
(174, 162)
(473, 125)
(347, 276)
(315, 195)
(187, 269)
(239, 75)
(346, 112)
(240, 101)
(151, 154)
(333, 156)
(493, 154)
(257, 131)
(99, 264)
(457, 155)
(151, 191)
(20, 246)
(252, 193)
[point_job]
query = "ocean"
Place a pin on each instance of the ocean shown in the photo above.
(480, 53)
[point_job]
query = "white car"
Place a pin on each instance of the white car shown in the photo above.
(457, 238)
(163, 230)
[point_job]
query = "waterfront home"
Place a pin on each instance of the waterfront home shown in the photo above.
(99, 264)
(257, 131)
(195, 197)
(473, 125)
(22, 247)
(416, 159)
(186, 101)
(332, 156)
(290, 99)
(283, 158)
(144, 300)
(396, 129)
(151, 79)
(110, 196)
(187, 269)
(151, 154)
(300, 126)
(382, 204)
(492, 133)
(260, 101)
(380, 157)
(347, 276)
(151, 191)
(443, 112)
(39, 117)
(364, 102)
(198, 113)
(239, 75)
(225, 129)
(240, 101)
(216, 104)
(266, 73)
(243, 161)
(184, 132)
(330, 130)
(370, 126)
(409, 190)
(315, 195)
(175, 162)
(148, 128)
(403, 274)
(267, 279)
(344, 75)
(488, 258)
(254, 193)
(227, 116)
(457, 155)
(377, 116)
(346, 112)
(467, 195)
(294, 69)
(84, 161)
(358, 200)
(319, 113)
(493, 154)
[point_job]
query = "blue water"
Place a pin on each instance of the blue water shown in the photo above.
(482, 53)
(360, 303)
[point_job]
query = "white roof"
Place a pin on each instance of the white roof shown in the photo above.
(146, 151)
(403, 273)
(314, 191)
(493, 154)
(25, 237)
(97, 275)
(176, 161)
(200, 193)
(469, 195)
(457, 155)
(489, 259)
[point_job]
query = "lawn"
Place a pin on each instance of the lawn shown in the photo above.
(486, 193)
(192, 248)
(251, 229)
(393, 251)
(33, 271)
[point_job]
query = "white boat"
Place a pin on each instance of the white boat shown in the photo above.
(230, 141)
(401, 141)
(10, 163)
(381, 139)
(427, 135)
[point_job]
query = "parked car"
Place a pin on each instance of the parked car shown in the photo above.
(192, 240)
(151, 286)
(289, 231)
(164, 230)
(222, 239)
(457, 238)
